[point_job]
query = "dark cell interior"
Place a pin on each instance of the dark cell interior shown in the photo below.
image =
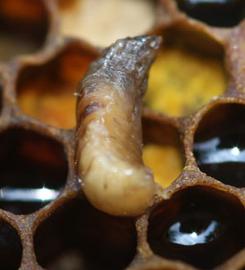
(221, 13)
(77, 236)
(10, 247)
(219, 145)
(199, 226)
(33, 170)
(23, 27)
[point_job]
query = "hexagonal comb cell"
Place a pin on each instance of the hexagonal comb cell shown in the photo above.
(77, 236)
(196, 225)
(162, 151)
(23, 27)
(219, 146)
(187, 73)
(221, 13)
(89, 19)
(33, 170)
(10, 247)
(46, 91)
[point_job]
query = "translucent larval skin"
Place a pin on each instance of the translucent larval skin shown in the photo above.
(109, 132)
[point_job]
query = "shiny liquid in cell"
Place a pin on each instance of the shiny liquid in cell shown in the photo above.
(32, 171)
(194, 231)
(25, 200)
(194, 237)
(221, 13)
(196, 228)
(223, 157)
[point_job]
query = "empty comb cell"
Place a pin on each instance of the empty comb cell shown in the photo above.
(63, 238)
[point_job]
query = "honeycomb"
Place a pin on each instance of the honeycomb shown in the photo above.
(192, 132)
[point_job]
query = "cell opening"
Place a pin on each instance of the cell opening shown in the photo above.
(224, 13)
(198, 225)
(23, 27)
(163, 151)
(46, 92)
(10, 247)
(89, 19)
(188, 71)
(77, 236)
(219, 146)
(33, 170)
